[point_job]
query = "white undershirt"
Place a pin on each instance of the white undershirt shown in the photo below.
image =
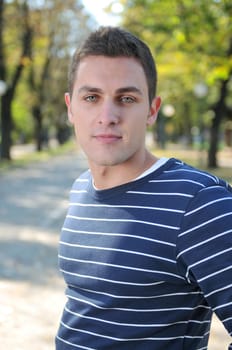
(154, 166)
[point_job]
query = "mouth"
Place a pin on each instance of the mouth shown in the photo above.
(107, 138)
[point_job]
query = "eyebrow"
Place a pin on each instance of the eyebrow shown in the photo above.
(121, 90)
(87, 88)
(129, 89)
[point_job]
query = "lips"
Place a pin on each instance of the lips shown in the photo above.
(107, 138)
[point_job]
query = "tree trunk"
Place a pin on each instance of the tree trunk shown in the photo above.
(6, 126)
(38, 127)
(39, 88)
(219, 111)
(213, 148)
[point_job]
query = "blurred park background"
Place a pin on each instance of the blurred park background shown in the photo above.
(191, 41)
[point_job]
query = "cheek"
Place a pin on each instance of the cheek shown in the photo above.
(139, 125)
(82, 130)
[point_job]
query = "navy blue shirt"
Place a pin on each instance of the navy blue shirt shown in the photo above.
(146, 263)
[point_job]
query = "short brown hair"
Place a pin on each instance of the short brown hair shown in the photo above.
(116, 42)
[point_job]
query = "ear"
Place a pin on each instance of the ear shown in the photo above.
(67, 99)
(154, 109)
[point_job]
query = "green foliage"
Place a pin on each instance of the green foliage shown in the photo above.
(56, 27)
(191, 42)
(21, 108)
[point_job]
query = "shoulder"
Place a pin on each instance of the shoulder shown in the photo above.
(210, 209)
(83, 181)
(187, 174)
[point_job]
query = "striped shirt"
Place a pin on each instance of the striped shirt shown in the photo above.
(146, 263)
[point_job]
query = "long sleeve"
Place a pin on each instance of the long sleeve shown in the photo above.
(205, 249)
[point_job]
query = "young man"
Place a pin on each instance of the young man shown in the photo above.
(146, 246)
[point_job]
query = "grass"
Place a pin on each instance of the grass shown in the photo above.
(33, 157)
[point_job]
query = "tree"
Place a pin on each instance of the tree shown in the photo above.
(40, 39)
(12, 78)
(220, 110)
(191, 41)
(55, 25)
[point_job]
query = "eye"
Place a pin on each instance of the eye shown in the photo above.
(90, 98)
(127, 99)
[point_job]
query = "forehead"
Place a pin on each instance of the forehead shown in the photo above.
(102, 69)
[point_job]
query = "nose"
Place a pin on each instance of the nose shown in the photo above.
(109, 113)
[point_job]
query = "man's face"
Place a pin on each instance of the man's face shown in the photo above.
(110, 109)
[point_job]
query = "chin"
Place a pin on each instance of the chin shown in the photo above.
(109, 162)
(109, 158)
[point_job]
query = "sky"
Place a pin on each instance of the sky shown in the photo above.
(96, 9)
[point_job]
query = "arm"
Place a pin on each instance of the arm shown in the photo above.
(205, 249)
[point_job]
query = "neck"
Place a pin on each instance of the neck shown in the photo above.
(106, 177)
